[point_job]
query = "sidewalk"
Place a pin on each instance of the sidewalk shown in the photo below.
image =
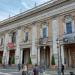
(66, 72)
(8, 69)
(46, 72)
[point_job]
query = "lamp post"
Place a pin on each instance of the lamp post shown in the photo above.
(59, 57)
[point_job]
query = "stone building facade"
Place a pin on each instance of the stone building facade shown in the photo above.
(34, 34)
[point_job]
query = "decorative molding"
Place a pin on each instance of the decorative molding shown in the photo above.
(67, 17)
(42, 16)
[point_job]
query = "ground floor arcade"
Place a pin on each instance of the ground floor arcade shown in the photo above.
(42, 55)
(69, 55)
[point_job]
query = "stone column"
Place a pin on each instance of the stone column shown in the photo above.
(51, 52)
(21, 55)
(34, 47)
(38, 52)
(54, 37)
(5, 53)
(17, 51)
(62, 53)
(69, 58)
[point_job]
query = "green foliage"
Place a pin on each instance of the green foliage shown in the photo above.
(13, 60)
(29, 62)
(0, 59)
(53, 60)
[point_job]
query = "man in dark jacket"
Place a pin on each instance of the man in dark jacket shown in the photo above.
(19, 66)
(35, 70)
(62, 69)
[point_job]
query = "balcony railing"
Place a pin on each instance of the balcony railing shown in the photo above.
(43, 40)
(69, 38)
(25, 43)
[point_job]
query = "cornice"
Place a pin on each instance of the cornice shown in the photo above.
(33, 11)
(60, 10)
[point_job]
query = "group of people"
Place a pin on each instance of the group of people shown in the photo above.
(35, 70)
(24, 69)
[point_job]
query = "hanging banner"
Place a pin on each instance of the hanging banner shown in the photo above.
(10, 45)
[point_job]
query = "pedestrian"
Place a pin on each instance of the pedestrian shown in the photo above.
(24, 71)
(62, 69)
(36, 70)
(19, 66)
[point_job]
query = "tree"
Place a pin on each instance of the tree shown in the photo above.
(29, 62)
(13, 60)
(53, 60)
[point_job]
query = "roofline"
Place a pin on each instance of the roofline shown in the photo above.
(36, 9)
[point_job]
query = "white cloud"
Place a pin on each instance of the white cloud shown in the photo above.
(14, 9)
(25, 5)
(31, 3)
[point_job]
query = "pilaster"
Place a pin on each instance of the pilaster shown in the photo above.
(51, 52)
(62, 54)
(6, 52)
(55, 36)
(21, 55)
(17, 51)
(38, 55)
(34, 47)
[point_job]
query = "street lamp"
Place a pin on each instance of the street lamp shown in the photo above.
(59, 57)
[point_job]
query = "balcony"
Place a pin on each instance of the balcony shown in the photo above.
(69, 38)
(25, 44)
(45, 41)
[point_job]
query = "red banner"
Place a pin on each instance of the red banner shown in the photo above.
(10, 45)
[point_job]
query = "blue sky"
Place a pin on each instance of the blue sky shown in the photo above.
(14, 7)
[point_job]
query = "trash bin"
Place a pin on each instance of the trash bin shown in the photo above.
(71, 73)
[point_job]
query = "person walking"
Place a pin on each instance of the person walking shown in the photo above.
(19, 66)
(36, 70)
(24, 71)
(62, 69)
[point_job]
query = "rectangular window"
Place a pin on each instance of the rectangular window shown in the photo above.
(44, 32)
(14, 37)
(26, 36)
(69, 27)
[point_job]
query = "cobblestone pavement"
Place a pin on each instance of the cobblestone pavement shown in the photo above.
(9, 71)
(14, 71)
